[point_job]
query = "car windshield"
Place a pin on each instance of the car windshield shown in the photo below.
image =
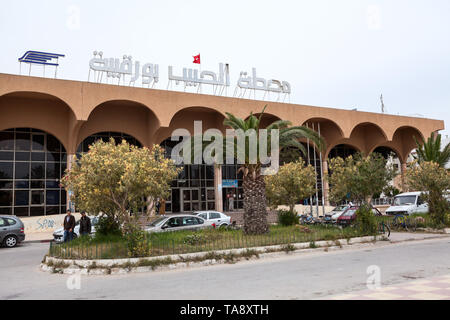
(155, 222)
(404, 200)
(349, 212)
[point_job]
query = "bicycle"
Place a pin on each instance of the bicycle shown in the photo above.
(402, 221)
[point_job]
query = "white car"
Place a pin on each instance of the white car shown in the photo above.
(408, 203)
(58, 234)
(177, 223)
(337, 212)
(215, 217)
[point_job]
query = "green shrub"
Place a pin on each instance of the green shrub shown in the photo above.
(107, 226)
(366, 220)
(287, 218)
(137, 242)
(194, 239)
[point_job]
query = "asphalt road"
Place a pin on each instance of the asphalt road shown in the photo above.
(302, 276)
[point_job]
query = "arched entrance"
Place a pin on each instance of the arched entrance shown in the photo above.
(105, 136)
(32, 163)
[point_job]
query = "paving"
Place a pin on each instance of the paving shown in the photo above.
(435, 288)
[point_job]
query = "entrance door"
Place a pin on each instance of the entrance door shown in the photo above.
(190, 199)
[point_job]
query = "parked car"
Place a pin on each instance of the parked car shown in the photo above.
(177, 222)
(408, 203)
(215, 217)
(349, 215)
(12, 231)
(58, 234)
(336, 213)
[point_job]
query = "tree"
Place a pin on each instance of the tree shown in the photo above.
(117, 179)
(255, 211)
(431, 150)
(434, 181)
(358, 178)
(291, 184)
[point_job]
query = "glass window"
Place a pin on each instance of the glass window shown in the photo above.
(10, 221)
(2, 222)
(22, 170)
(38, 142)
(37, 197)
(22, 156)
(53, 171)
(6, 170)
(23, 142)
(214, 215)
(37, 156)
(37, 211)
(5, 184)
(6, 140)
(21, 211)
(5, 155)
(37, 170)
(52, 197)
(5, 198)
(22, 198)
(53, 144)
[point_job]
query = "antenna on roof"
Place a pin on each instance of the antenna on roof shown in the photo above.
(383, 109)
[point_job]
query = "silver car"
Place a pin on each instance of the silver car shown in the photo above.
(177, 223)
(215, 217)
(12, 231)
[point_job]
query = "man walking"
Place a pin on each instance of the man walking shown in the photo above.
(85, 224)
(69, 225)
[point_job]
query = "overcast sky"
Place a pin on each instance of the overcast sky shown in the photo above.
(340, 54)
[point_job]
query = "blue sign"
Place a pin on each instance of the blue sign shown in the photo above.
(229, 183)
(44, 58)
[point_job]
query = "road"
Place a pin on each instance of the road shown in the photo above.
(316, 275)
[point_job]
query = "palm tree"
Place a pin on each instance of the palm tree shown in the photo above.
(431, 150)
(255, 211)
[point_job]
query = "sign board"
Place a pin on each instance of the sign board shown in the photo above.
(230, 183)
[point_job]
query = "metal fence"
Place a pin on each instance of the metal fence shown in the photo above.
(194, 243)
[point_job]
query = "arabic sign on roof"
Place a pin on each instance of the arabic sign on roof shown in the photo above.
(38, 57)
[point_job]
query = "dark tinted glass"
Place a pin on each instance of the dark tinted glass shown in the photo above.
(6, 140)
(22, 170)
(21, 198)
(37, 170)
(38, 142)
(23, 141)
(6, 170)
(5, 198)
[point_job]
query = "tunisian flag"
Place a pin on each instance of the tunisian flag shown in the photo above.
(196, 59)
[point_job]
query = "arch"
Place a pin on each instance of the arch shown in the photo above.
(403, 137)
(132, 118)
(390, 146)
(266, 120)
(329, 129)
(368, 135)
(345, 143)
(38, 110)
(82, 147)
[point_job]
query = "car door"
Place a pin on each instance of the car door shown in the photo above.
(173, 224)
(422, 207)
(191, 223)
(3, 229)
(215, 218)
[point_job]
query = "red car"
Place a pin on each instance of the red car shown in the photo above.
(349, 216)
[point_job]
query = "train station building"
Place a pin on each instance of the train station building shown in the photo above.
(45, 122)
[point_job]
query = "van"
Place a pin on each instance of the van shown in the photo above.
(408, 203)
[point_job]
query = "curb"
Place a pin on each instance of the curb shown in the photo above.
(188, 260)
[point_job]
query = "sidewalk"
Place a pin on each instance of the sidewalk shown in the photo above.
(38, 237)
(437, 288)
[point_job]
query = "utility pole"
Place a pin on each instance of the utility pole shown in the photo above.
(383, 110)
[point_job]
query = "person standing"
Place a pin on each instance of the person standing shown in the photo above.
(85, 224)
(69, 225)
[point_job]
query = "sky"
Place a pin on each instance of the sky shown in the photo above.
(340, 54)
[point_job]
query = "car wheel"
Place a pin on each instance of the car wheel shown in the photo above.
(10, 241)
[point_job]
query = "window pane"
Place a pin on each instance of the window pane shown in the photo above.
(53, 171)
(6, 140)
(37, 170)
(38, 142)
(6, 210)
(37, 197)
(52, 210)
(52, 197)
(52, 144)
(22, 170)
(6, 184)
(37, 156)
(22, 198)
(21, 211)
(6, 170)
(37, 184)
(37, 211)
(4, 155)
(23, 141)
(22, 184)
(22, 156)
(5, 198)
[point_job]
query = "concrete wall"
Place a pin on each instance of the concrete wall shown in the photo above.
(45, 223)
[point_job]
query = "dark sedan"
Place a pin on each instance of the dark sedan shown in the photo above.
(349, 216)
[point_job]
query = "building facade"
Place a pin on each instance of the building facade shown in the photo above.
(44, 122)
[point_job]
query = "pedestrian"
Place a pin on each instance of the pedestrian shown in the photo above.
(85, 224)
(69, 225)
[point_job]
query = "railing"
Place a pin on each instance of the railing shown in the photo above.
(196, 243)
